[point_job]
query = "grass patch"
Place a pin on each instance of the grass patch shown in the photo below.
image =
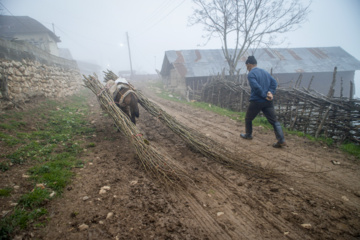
(91, 145)
(32, 151)
(351, 148)
(9, 140)
(34, 199)
(5, 192)
(12, 125)
(56, 174)
(4, 166)
(19, 220)
(51, 146)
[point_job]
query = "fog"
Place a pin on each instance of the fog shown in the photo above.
(95, 31)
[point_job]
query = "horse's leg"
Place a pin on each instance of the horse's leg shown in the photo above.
(134, 109)
(134, 106)
(130, 114)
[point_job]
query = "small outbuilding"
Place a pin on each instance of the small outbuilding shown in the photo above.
(189, 70)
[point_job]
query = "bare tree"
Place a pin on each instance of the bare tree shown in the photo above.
(242, 24)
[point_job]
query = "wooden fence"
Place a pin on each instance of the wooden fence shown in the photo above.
(298, 109)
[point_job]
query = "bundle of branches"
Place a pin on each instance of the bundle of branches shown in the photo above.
(199, 142)
(160, 165)
(110, 75)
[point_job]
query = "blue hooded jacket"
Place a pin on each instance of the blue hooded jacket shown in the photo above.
(261, 82)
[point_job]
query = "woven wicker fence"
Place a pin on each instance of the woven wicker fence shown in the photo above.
(303, 110)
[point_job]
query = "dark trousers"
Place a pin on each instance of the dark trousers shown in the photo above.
(268, 109)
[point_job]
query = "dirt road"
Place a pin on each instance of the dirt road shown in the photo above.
(307, 198)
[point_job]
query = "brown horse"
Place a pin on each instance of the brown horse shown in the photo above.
(124, 98)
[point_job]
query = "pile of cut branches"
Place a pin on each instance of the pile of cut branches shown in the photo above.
(160, 165)
(109, 75)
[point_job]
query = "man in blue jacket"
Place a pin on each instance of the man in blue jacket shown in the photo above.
(263, 87)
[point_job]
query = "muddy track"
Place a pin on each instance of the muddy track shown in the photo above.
(219, 203)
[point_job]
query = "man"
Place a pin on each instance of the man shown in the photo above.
(263, 87)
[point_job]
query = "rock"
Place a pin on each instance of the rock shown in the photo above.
(104, 189)
(335, 162)
(133, 182)
(219, 214)
(345, 198)
(306, 225)
(40, 185)
(85, 198)
(83, 227)
(25, 176)
(4, 213)
(109, 215)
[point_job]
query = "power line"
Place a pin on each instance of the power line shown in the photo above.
(6, 9)
(160, 20)
(161, 8)
(13, 15)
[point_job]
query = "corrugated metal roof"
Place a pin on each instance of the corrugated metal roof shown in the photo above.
(198, 63)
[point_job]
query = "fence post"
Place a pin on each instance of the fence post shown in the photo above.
(351, 90)
(332, 90)
(323, 121)
(312, 78)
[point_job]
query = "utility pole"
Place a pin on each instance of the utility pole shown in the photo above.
(128, 43)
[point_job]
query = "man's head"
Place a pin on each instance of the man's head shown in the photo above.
(250, 63)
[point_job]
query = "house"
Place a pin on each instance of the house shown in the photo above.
(190, 69)
(24, 28)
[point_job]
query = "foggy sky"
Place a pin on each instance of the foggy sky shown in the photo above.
(95, 31)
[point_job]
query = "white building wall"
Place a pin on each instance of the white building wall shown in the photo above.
(40, 40)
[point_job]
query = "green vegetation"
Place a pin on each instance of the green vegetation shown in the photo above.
(351, 148)
(52, 146)
(5, 192)
(4, 166)
(90, 145)
(34, 199)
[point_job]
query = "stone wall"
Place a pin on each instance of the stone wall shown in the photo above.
(27, 72)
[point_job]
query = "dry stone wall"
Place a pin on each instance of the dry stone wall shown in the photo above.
(26, 73)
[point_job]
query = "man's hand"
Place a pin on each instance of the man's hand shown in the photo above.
(269, 96)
